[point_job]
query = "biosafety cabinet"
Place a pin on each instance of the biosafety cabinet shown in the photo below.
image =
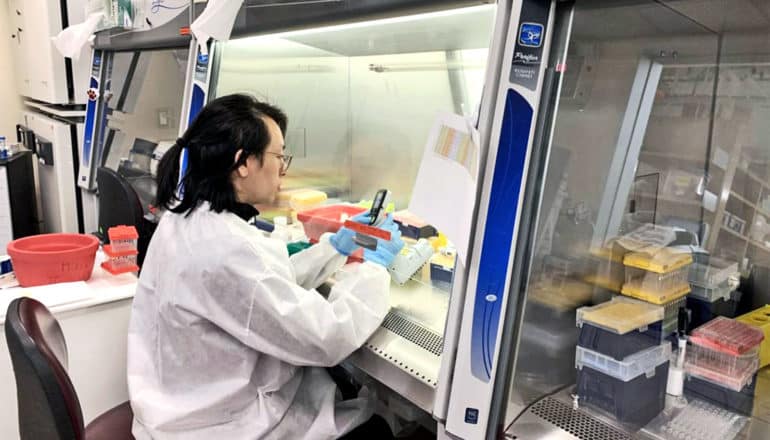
(362, 84)
(612, 136)
(134, 115)
(138, 81)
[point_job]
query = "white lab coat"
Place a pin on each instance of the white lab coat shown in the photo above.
(227, 337)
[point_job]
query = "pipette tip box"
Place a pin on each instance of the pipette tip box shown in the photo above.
(633, 391)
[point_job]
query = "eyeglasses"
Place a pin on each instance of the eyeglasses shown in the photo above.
(285, 160)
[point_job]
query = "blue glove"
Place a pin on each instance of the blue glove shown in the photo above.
(386, 249)
(342, 240)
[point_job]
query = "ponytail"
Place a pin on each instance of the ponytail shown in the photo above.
(168, 177)
(209, 146)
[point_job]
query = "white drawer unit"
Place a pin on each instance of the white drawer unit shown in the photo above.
(54, 143)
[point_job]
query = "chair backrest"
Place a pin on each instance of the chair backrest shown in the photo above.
(49, 408)
(118, 202)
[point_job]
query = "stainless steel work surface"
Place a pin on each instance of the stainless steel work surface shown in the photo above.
(554, 417)
(405, 352)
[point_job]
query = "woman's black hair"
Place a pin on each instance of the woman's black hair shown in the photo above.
(224, 126)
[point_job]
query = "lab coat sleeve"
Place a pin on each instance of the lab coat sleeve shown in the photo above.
(313, 266)
(276, 316)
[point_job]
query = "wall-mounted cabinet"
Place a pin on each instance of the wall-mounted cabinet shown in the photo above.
(41, 72)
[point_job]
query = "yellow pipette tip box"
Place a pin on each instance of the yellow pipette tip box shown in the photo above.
(620, 315)
(655, 296)
(663, 261)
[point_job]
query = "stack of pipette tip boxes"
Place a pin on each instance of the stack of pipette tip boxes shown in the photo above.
(661, 278)
(722, 362)
(122, 250)
(622, 360)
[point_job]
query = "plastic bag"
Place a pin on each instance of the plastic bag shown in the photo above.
(117, 13)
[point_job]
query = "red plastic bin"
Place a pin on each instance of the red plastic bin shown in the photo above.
(53, 258)
(318, 221)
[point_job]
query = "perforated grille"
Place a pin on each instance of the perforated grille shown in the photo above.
(414, 333)
(576, 423)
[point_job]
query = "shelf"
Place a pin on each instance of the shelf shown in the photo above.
(691, 97)
(753, 177)
(760, 245)
(763, 212)
(743, 199)
(733, 233)
(670, 156)
(670, 99)
(661, 198)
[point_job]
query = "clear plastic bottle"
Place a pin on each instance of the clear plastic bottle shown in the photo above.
(3, 148)
(281, 229)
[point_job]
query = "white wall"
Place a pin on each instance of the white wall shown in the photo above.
(9, 98)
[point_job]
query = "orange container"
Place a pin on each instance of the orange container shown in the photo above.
(318, 221)
(328, 218)
(53, 258)
(120, 262)
(123, 238)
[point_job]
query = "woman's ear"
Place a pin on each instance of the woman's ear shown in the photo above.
(242, 170)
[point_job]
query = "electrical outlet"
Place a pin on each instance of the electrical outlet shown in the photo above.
(163, 118)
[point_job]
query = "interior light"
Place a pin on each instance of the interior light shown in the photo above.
(363, 24)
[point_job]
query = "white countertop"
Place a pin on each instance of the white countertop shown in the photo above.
(101, 288)
(418, 300)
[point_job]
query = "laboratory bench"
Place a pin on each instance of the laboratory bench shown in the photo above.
(403, 354)
(102, 288)
(94, 317)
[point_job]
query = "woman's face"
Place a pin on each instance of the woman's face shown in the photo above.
(258, 182)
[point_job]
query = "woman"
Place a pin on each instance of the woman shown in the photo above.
(227, 337)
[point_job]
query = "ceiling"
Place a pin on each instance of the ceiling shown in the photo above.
(632, 21)
(606, 19)
(726, 15)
